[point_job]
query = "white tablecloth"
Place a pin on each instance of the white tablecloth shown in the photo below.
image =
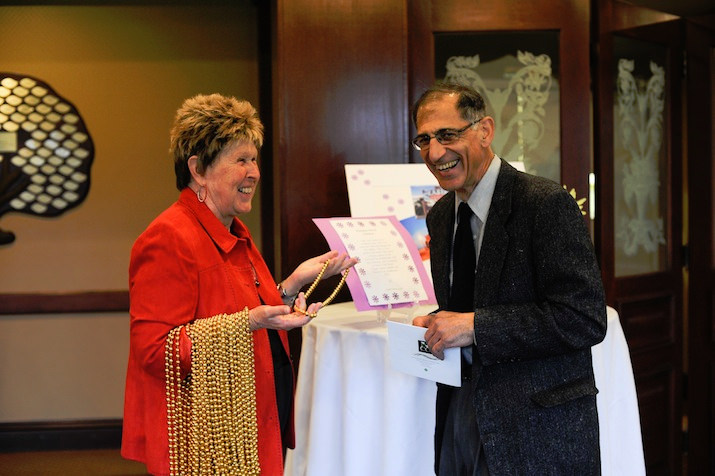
(357, 416)
(618, 418)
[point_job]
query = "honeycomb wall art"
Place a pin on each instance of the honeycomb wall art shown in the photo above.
(46, 151)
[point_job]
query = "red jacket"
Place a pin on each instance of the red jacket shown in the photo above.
(187, 266)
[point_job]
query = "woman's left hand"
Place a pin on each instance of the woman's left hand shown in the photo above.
(308, 270)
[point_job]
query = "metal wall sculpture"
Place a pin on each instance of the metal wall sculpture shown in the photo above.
(46, 151)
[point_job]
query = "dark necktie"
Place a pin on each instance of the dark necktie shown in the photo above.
(461, 297)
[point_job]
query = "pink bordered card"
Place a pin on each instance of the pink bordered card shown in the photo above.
(390, 273)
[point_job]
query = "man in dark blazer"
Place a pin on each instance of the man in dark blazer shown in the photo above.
(527, 404)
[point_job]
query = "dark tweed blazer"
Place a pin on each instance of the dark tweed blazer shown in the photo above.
(539, 307)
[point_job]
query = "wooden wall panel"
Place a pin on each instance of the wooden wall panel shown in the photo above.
(338, 95)
(339, 98)
(647, 320)
(655, 384)
(453, 15)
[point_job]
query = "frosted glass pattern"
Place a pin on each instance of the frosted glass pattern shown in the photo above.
(518, 78)
(640, 184)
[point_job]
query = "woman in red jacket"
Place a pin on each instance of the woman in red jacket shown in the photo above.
(195, 275)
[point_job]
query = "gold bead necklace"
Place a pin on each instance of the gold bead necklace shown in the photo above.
(312, 287)
(211, 414)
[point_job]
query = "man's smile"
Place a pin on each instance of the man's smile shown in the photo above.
(447, 165)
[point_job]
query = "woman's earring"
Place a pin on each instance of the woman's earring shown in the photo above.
(198, 195)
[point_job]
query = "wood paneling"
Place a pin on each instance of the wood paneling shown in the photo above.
(655, 384)
(60, 435)
(339, 99)
(91, 301)
(647, 321)
(338, 85)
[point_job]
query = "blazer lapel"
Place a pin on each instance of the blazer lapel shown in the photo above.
(496, 239)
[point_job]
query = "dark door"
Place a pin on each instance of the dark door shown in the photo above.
(638, 127)
(701, 243)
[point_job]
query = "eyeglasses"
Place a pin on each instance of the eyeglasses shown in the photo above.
(443, 136)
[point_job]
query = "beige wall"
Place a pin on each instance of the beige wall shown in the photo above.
(62, 367)
(126, 69)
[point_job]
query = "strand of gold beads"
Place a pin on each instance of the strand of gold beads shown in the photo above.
(171, 395)
(312, 287)
(212, 423)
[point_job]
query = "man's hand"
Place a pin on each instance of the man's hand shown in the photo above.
(447, 329)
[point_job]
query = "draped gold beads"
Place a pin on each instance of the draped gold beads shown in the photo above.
(212, 423)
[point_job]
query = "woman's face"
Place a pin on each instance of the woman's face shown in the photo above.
(231, 180)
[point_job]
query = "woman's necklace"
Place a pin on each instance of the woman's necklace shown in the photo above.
(313, 286)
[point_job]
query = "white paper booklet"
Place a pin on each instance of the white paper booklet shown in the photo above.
(409, 354)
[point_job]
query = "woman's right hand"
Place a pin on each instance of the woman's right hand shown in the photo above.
(281, 317)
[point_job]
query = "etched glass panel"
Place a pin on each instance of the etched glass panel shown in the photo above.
(517, 73)
(639, 158)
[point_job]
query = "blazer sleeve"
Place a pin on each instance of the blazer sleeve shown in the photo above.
(163, 293)
(551, 298)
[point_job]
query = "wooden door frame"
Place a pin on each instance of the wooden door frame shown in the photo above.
(650, 306)
(613, 17)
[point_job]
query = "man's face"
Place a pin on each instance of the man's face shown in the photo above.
(460, 165)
